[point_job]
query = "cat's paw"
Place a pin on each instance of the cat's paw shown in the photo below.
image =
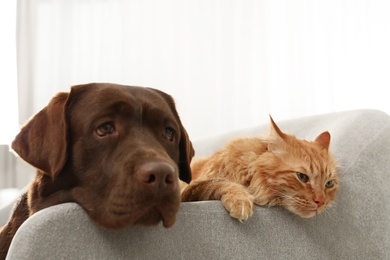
(239, 206)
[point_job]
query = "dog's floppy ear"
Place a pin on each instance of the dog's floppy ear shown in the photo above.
(185, 145)
(42, 142)
(186, 154)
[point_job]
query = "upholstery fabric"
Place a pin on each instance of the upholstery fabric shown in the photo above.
(357, 226)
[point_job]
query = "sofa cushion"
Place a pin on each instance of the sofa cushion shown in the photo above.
(356, 227)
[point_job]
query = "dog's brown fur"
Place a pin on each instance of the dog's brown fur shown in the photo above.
(115, 150)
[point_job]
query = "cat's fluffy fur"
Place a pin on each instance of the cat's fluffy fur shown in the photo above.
(276, 170)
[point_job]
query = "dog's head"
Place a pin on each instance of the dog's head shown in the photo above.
(118, 150)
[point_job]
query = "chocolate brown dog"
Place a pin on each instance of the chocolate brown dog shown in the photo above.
(118, 151)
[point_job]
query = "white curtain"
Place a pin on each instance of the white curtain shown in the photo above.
(8, 89)
(8, 94)
(227, 63)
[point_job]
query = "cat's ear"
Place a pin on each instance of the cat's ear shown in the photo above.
(323, 140)
(277, 139)
(275, 131)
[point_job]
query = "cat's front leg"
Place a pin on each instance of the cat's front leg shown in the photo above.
(238, 202)
(235, 197)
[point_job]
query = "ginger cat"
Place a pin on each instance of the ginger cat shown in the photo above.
(278, 170)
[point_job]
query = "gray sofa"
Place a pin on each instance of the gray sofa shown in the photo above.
(356, 227)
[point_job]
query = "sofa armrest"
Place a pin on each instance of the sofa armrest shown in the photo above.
(356, 227)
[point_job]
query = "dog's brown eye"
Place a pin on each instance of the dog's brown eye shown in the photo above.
(169, 134)
(105, 129)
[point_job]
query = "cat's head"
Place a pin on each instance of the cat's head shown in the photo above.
(306, 179)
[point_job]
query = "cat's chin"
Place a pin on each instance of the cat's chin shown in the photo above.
(306, 213)
(302, 212)
(309, 214)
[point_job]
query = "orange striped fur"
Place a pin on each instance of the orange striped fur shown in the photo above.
(276, 170)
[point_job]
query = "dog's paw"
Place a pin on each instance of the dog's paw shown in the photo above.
(239, 206)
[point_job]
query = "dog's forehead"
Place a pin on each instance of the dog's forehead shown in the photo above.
(126, 94)
(95, 98)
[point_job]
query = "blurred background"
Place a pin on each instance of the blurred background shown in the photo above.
(227, 63)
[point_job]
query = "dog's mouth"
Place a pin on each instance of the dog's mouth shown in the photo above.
(147, 211)
(156, 214)
(146, 216)
(128, 204)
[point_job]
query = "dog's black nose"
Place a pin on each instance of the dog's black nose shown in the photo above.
(157, 175)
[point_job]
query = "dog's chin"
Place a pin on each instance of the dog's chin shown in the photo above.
(157, 214)
(147, 216)
(147, 209)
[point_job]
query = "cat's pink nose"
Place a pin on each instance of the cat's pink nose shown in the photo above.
(319, 201)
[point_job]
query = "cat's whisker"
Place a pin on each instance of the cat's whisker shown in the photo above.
(281, 194)
(332, 210)
(330, 214)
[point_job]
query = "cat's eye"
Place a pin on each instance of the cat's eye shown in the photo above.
(302, 177)
(329, 184)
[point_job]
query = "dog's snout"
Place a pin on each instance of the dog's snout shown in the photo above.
(156, 174)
